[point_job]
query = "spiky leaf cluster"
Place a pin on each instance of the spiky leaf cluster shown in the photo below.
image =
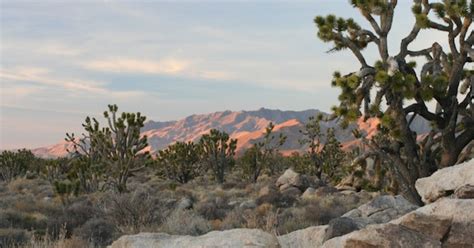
(341, 31)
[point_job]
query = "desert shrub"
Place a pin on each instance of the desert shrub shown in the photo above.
(233, 219)
(264, 217)
(98, 231)
(14, 219)
(10, 237)
(47, 241)
(292, 219)
(132, 212)
(185, 222)
(277, 199)
(212, 208)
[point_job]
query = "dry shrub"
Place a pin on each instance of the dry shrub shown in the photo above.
(212, 208)
(292, 219)
(233, 219)
(60, 242)
(10, 237)
(132, 212)
(264, 217)
(185, 222)
(216, 224)
(99, 231)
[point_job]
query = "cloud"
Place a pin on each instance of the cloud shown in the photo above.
(38, 75)
(42, 76)
(164, 66)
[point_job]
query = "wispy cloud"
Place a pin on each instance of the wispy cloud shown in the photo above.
(38, 75)
(127, 65)
(44, 77)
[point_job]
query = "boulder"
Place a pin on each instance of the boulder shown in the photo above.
(433, 226)
(444, 223)
(305, 238)
(340, 226)
(445, 181)
(291, 191)
(185, 203)
(231, 238)
(248, 204)
(465, 192)
(381, 209)
(383, 235)
(292, 178)
(450, 219)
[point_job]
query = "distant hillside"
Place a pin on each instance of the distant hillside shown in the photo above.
(246, 126)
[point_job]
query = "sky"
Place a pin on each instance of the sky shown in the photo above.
(61, 61)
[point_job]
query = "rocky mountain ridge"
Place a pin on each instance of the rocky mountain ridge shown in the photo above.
(246, 126)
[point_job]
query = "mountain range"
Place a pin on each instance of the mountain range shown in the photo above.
(246, 126)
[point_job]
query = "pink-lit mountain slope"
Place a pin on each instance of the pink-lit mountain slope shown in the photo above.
(246, 126)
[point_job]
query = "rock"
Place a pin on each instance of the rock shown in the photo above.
(285, 186)
(461, 234)
(312, 193)
(309, 193)
(248, 204)
(305, 238)
(383, 235)
(185, 203)
(445, 181)
(230, 238)
(433, 226)
(233, 203)
(381, 209)
(325, 190)
(459, 212)
(465, 192)
(294, 179)
(291, 191)
(340, 226)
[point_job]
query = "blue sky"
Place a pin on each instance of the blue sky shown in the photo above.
(64, 60)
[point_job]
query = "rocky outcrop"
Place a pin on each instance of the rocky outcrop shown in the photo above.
(445, 181)
(445, 223)
(383, 235)
(380, 210)
(234, 238)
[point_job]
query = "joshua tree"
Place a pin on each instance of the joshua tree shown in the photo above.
(332, 155)
(313, 135)
(181, 161)
(259, 156)
(401, 92)
(114, 152)
(15, 164)
(218, 152)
